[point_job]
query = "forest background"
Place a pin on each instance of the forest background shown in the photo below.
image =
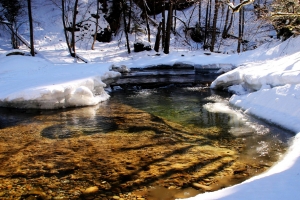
(220, 26)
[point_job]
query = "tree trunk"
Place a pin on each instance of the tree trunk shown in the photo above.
(163, 27)
(65, 28)
(230, 23)
(228, 27)
(209, 14)
(157, 40)
(240, 38)
(125, 29)
(154, 8)
(30, 28)
(243, 22)
(174, 18)
(168, 28)
(206, 25)
(147, 22)
(191, 16)
(104, 6)
(129, 17)
(14, 40)
(224, 32)
(214, 27)
(14, 36)
(96, 28)
(199, 15)
(73, 47)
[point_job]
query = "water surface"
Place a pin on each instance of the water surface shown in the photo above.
(162, 143)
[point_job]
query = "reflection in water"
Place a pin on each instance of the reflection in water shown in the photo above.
(168, 142)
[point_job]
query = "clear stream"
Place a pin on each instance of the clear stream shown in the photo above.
(163, 143)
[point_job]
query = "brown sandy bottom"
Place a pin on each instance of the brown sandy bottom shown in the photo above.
(145, 158)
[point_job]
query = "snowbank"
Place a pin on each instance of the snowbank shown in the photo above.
(253, 76)
(279, 105)
(270, 89)
(28, 82)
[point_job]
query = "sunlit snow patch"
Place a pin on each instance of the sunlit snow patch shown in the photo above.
(71, 94)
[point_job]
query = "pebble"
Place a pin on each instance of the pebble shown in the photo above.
(200, 186)
(91, 190)
(37, 191)
(172, 187)
(58, 197)
(116, 197)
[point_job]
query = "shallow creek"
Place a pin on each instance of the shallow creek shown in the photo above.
(157, 144)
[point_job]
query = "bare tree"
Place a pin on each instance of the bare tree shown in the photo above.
(30, 28)
(146, 18)
(125, 29)
(65, 19)
(168, 28)
(129, 15)
(207, 23)
(12, 12)
(199, 11)
(163, 25)
(97, 24)
(214, 27)
(73, 25)
(75, 12)
(154, 8)
(241, 29)
(104, 6)
(174, 16)
(158, 36)
(228, 23)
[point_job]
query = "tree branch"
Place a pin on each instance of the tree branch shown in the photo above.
(280, 14)
(186, 27)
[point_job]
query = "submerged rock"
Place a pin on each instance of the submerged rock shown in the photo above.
(202, 187)
(36, 193)
(91, 190)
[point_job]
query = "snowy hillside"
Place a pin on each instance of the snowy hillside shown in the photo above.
(50, 41)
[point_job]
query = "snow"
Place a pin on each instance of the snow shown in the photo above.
(28, 82)
(266, 83)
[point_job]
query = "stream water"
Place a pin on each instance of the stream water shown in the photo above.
(154, 144)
